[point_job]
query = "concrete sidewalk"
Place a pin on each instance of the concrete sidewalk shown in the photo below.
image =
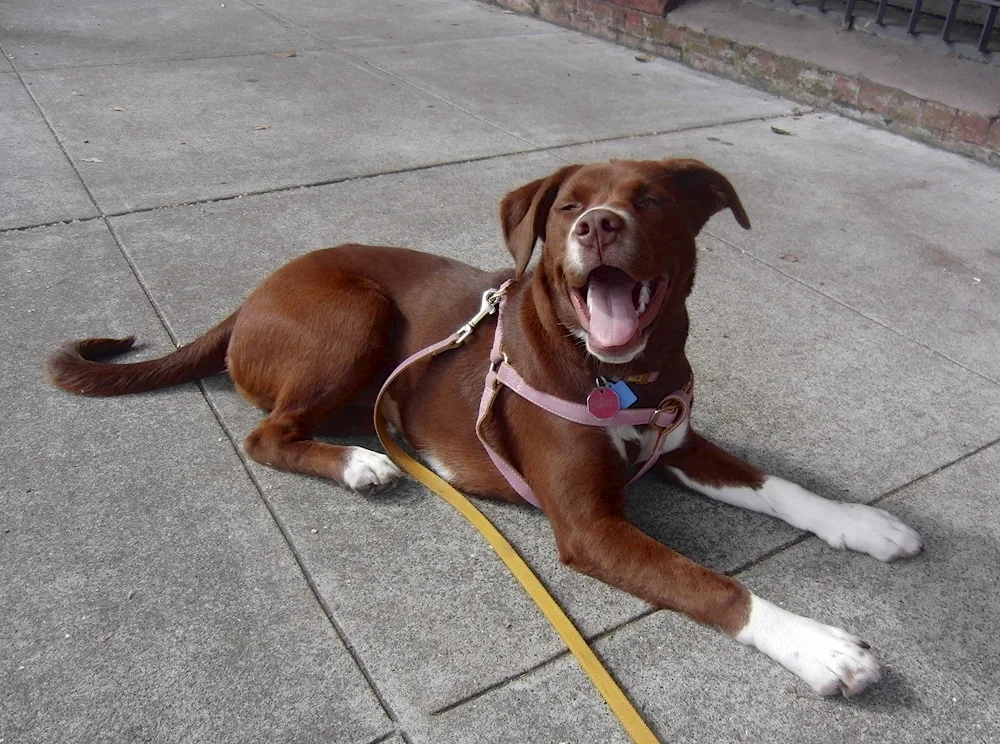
(161, 158)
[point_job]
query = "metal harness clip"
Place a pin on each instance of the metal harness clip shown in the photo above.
(488, 306)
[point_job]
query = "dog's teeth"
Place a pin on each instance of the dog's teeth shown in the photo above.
(643, 297)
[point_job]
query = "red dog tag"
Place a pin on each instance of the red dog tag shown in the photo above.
(603, 403)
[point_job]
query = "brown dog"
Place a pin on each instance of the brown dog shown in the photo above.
(315, 341)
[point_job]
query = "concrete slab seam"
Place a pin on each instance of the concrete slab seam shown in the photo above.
(101, 214)
(161, 60)
(678, 130)
(338, 629)
(854, 310)
(551, 149)
(54, 223)
(389, 735)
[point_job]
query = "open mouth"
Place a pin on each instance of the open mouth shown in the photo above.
(614, 309)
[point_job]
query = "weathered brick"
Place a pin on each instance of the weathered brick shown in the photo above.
(598, 12)
(761, 63)
(845, 89)
(521, 6)
(633, 25)
(816, 82)
(970, 128)
(936, 116)
(993, 141)
(787, 69)
(554, 11)
(656, 7)
(675, 36)
(706, 62)
(652, 27)
(875, 97)
(697, 44)
(907, 109)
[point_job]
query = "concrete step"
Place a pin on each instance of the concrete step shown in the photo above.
(915, 89)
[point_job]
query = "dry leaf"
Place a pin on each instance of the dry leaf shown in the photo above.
(117, 108)
(284, 54)
(92, 160)
(258, 127)
(779, 130)
(644, 57)
(790, 258)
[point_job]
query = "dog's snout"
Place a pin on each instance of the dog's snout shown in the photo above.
(599, 228)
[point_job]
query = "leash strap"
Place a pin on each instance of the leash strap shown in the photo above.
(602, 680)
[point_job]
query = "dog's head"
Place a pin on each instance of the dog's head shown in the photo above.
(618, 243)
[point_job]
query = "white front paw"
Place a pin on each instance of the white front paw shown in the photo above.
(870, 530)
(367, 471)
(830, 660)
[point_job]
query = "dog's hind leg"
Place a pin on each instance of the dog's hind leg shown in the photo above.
(709, 470)
(307, 346)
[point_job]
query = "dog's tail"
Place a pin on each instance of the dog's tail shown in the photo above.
(74, 367)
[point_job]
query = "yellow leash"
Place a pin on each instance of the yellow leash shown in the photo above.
(599, 676)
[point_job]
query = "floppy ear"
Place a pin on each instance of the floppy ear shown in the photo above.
(524, 212)
(703, 192)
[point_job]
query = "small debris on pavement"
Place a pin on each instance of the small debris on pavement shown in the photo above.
(92, 160)
(285, 54)
(117, 108)
(76, 93)
(976, 280)
(779, 130)
(790, 258)
(258, 127)
(644, 57)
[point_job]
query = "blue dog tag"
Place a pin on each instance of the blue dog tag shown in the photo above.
(624, 393)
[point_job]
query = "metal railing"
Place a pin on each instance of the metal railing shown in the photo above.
(984, 37)
(977, 18)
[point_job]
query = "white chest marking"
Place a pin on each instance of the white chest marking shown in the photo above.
(647, 439)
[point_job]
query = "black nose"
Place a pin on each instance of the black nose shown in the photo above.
(599, 228)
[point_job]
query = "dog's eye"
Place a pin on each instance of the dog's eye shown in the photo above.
(569, 207)
(648, 201)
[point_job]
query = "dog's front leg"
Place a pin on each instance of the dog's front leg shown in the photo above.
(598, 541)
(703, 467)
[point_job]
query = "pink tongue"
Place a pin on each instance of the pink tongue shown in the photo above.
(613, 317)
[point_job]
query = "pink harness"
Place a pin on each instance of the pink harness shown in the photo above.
(671, 413)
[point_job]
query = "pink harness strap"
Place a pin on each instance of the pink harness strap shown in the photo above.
(670, 414)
